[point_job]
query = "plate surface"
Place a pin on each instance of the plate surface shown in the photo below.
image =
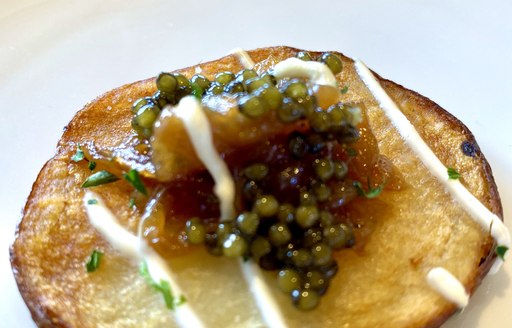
(56, 55)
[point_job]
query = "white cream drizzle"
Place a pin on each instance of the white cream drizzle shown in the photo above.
(316, 72)
(447, 285)
(251, 271)
(262, 295)
(243, 57)
(136, 249)
(470, 203)
(191, 113)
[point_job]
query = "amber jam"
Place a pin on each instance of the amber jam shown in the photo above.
(291, 175)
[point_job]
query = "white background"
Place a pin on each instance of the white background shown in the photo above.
(56, 55)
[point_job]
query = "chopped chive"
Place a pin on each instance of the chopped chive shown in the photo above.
(163, 287)
(344, 89)
(143, 271)
(79, 155)
(453, 174)
(181, 300)
(99, 178)
(92, 201)
(371, 193)
(92, 165)
(133, 178)
(501, 251)
(94, 261)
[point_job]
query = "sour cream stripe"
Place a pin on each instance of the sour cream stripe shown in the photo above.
(447, 285)
(243, 57)
(191, 113)
(263, 297)
(251, 271)
(136, 249)
(471, 204)
(316, 72)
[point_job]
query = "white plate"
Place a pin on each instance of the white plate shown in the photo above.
(56, 55)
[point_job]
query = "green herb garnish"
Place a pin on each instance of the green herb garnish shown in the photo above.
(163, 287)
(501, 251)
(133, 177)
(453, 174)
(94, 261)
(131, 203)
(79, 155)
(92, 201)
(344, 90)
(181, 300)
(143, 270)
(372, 192)
(92, 165)
(99, 178)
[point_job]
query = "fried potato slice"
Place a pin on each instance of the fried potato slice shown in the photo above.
(381, 284)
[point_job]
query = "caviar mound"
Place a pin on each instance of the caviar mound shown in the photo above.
(380, 284)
